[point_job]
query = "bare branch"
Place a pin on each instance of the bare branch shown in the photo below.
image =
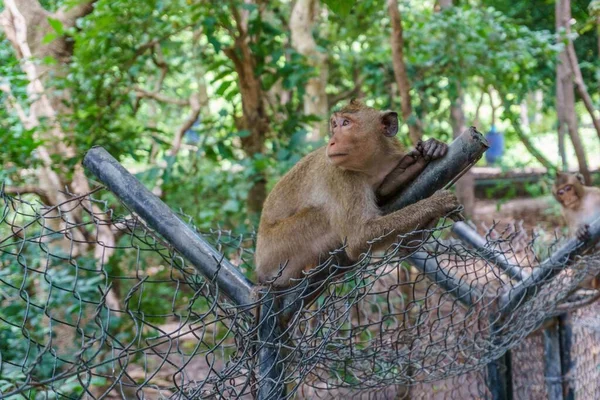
(13, 104)
(400, 74)
(196, 106)
(347, 94)
(142, 93)
(580, 86)
(28, 9)
(478, 109)
(28, 189)
(69, 15)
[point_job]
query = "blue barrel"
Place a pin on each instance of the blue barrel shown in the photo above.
(495, 139)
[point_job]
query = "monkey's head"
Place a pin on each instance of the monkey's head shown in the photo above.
(568, 189)
(358, 134)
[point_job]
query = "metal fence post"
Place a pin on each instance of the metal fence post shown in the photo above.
(552, 361)
(271, 367)
(500, 378)
(566, 362)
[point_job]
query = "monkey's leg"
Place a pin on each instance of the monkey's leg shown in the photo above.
(290, 245)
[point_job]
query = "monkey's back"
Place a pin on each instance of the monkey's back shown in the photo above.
(294, 189)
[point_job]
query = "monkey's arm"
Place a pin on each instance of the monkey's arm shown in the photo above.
(387, 228)
(409, 167)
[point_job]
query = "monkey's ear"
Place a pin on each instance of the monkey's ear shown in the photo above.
(389, 119)
(580, 178)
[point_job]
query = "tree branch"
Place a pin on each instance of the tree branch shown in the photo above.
(580, 85)
(13, 104)
(69, 15)
(196, 106)
(28, 9)
(397, 44)
(333, 99)
(27, 189)
(142, 93)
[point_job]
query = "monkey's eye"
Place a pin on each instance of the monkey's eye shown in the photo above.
(345, 123)
(333, 124)
(568, 188)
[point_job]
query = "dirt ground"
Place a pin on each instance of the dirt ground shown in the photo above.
(535, 213)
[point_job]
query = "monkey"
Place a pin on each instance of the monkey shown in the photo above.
(580, 205)
(329, 199)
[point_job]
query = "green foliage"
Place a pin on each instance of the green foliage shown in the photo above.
(340, 7)
(481, 45)
(539, 15)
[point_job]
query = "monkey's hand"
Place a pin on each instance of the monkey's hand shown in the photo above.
(432, 149)
(583, 233)
(447, 205)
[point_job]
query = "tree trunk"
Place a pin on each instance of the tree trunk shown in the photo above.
(565, 94)
(580, 85)
(397, 42)
(25, 24)
(254, 116)
(302, 20)
(465, 187)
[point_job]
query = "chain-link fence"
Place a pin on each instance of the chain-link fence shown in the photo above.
(97, 304)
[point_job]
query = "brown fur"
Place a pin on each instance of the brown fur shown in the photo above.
(326, 200)
(580, 206)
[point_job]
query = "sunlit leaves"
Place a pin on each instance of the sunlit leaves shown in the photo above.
(340, 7)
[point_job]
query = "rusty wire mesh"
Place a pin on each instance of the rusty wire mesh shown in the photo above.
(81, 316)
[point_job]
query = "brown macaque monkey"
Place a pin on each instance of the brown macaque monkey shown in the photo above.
(330, 199)
(580, 204)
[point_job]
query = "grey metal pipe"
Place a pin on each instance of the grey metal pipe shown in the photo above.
(271, 365)
(558, 261)
(428, 265)
(552, 362)
(159, 216)
(472, 238)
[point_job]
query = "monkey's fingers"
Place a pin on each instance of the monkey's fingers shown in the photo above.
(431, 151)
(583, 233)
(457, 217)
(441, 151)
(413, 153)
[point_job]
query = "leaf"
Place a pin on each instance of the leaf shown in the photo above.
(56, 25)
(223, 87)
(49, 37)
(340, 7)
